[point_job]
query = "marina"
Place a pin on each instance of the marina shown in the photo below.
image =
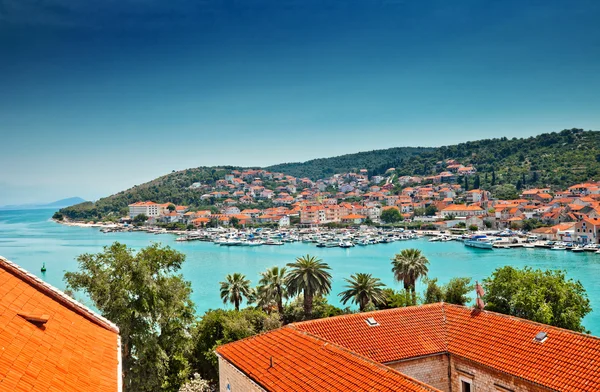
(30, 239)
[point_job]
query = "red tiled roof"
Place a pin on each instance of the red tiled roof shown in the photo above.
(302, 362)
(402, 332)
(566, 361)
(75, 350)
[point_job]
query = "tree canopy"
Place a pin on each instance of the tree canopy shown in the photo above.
(544, 296)
(142, 295)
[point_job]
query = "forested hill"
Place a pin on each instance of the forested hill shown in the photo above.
(376, 161)
(556, 160)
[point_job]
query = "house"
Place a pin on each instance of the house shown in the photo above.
(354, 218)
(435, 347)
(50, 342)
(587, 231)
(460, 210)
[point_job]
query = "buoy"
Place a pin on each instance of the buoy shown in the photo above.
(44, 267)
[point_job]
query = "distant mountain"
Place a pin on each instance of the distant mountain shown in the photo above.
(556, 160)
(56, 204)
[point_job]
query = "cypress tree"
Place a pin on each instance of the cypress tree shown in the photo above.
(466, 183)
(476, 182)
(493, 177)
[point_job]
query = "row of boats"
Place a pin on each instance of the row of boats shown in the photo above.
(486, 242)
(343, 238)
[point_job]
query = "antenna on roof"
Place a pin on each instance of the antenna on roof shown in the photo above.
(479, 304)
(271, 362)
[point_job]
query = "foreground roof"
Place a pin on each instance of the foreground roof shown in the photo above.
(49, 342)
(566, 360)
(302, 362)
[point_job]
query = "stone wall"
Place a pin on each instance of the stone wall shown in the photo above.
(432, 370)
(487, 379)
(233, 380)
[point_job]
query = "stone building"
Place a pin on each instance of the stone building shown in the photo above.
(437, 347)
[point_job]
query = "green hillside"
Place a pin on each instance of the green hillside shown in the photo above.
(376, 161)
(173, 187)
(555, 160)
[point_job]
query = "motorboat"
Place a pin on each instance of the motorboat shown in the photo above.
(479, 241)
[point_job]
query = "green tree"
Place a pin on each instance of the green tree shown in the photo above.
(455, 292)
(58, 216)
(151, 305)
(234, 221)
(493, 178)
(139, 219)
(171, 207)
(234, 289)
(217, 327)
(408, 266)
(433, 293)
(476, 182)
(473, 227)
(394, 299)
(362, 289)
(544, 296)
(430, 210)
(391, 215)
(308, 275)
(272, 281)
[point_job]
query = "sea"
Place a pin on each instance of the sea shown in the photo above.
(30, 238)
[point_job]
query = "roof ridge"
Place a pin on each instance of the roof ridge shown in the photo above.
(445, 324)
(366, 313)
(524, 320)
(56, 294)
(361, 357)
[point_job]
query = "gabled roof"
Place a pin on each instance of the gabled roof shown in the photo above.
(565, 361)
(74, 350)
(302, 362)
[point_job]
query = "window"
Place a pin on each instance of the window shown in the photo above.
(466, 384)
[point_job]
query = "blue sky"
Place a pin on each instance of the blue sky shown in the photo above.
(98, 96)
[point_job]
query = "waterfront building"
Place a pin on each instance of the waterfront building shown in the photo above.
(436, 347)
(50, 342)
(148, 208)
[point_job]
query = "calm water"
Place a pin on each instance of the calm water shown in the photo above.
(29, 238)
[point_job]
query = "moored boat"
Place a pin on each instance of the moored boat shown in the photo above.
(479, 241)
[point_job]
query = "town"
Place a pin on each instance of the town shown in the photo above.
(440, 202)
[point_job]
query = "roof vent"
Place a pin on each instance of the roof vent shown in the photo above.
(540, 337)
(371, 322)
(35, 319)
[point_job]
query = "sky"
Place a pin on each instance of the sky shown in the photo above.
(98, 96)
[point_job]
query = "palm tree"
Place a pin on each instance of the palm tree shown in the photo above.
(408, 266)
(235, 288)
(308, 275)
(272, 283)
(362, 289)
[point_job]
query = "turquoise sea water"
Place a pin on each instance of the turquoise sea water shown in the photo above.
(29, 238)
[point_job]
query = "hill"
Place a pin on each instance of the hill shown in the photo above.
(376, 161)
(556, 160)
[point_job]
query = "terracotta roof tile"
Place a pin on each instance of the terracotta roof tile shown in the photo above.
(566, 361)
(302, 362)
(75, 350)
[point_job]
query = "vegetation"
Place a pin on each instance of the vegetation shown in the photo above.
(234, 289)
(376, 161)
(505, 166)
(391, 215)
(363, 289)
(309, 276)
(544, 296)
(272, 285)
(408, 266)
(218, 327)
(163, 343)
(141, 294)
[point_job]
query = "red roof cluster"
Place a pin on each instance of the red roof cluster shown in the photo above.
(565, 361)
